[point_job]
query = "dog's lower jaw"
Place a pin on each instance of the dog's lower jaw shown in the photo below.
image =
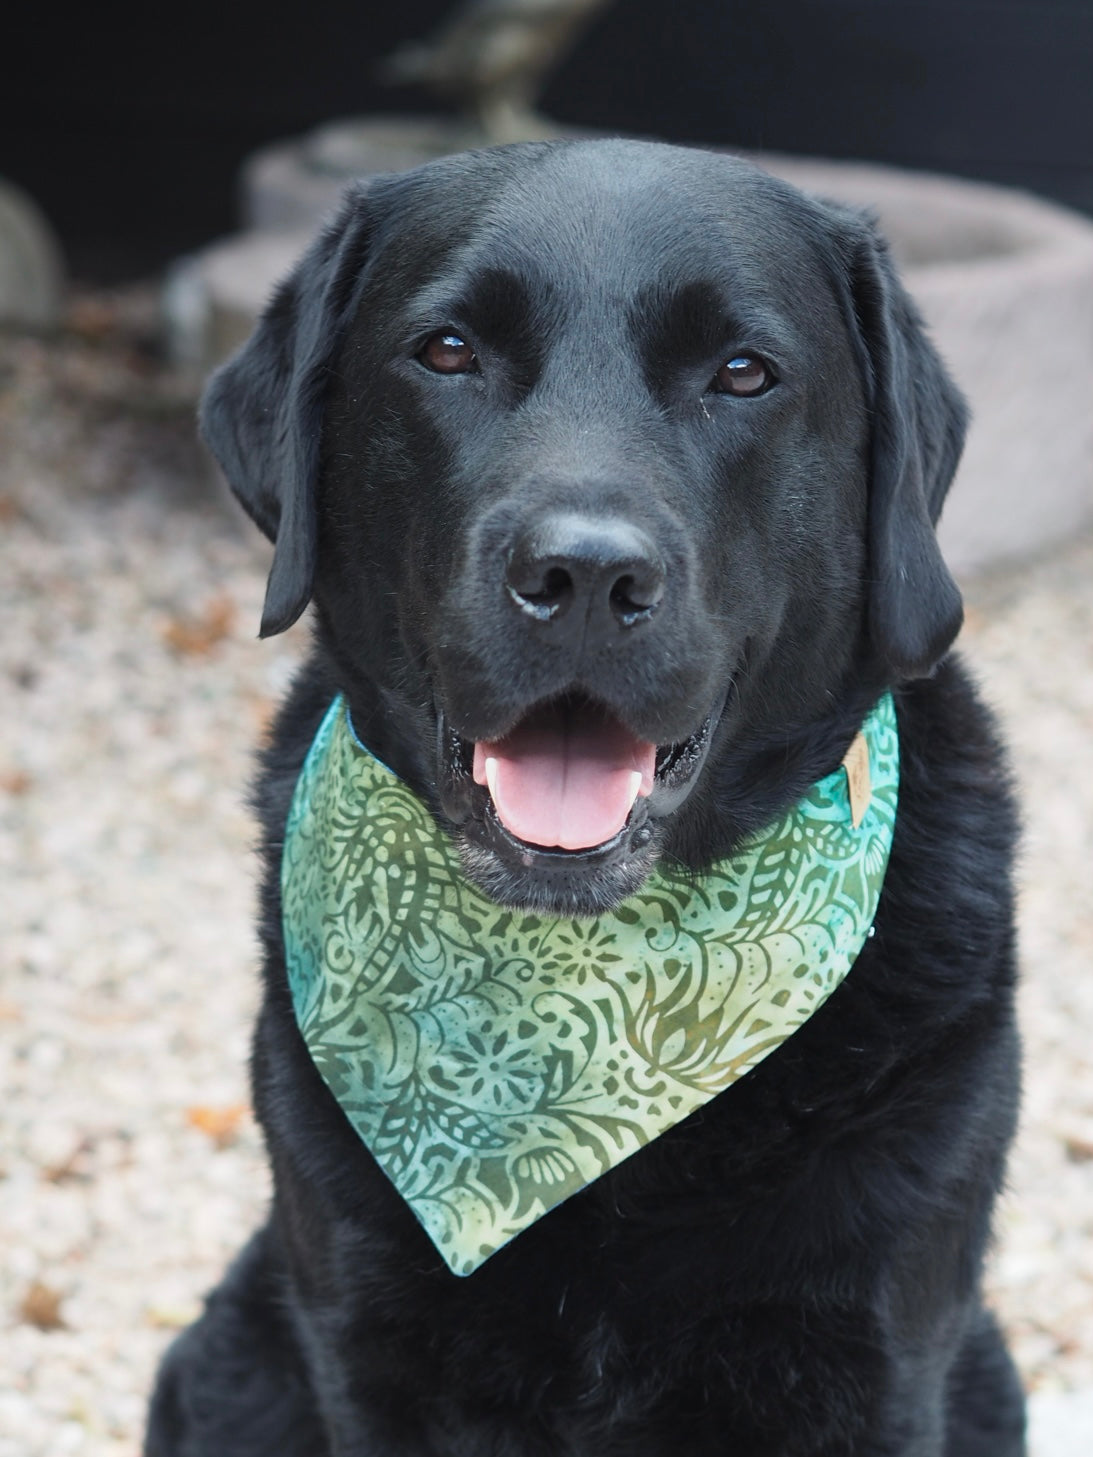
(562, 883)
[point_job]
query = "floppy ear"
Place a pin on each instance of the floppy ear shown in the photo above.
(261, 414)
(919, 419)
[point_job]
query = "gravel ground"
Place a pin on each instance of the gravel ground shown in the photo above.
(133, 693)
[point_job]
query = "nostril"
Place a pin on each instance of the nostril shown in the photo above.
(635, 597)
(542, 593)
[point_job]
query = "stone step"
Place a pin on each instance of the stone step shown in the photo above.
(31, 266)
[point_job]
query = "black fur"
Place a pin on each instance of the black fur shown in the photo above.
(794, 1270)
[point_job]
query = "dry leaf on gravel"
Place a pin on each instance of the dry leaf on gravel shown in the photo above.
(221, 1124)
(41, 1307)
(198, 636)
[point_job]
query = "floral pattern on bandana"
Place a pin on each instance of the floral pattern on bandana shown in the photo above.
(496, 1062)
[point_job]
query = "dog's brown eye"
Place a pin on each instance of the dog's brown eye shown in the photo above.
(448, 354)
(743, 375)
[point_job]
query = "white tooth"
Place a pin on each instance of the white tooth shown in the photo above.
(635, 785)
(491, 778)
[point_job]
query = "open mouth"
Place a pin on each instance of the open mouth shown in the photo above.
(570, 777)
(567, 776)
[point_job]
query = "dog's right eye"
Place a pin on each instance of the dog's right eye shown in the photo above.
(448, 354)
(745, 376)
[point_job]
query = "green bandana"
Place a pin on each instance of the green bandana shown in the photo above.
(496, 1062)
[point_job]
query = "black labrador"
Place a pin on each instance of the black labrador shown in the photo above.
(619, 432)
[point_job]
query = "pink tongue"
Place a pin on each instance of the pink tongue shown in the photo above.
(565, 778)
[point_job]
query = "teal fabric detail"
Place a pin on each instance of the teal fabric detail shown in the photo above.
(496, 1062)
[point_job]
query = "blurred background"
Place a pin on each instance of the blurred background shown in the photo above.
(158, 170)
(129, 123)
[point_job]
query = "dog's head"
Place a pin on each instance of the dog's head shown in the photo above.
(612, 468)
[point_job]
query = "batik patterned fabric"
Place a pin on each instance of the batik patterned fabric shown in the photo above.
(496, 1062)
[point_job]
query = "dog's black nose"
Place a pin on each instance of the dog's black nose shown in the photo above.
(606, 573)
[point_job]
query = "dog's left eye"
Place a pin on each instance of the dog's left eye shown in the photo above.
(744, 375)
(448, 354)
